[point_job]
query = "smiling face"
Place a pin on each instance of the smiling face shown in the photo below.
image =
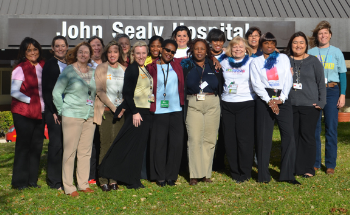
(323, 37)
(199, 51)
(113, 54)
(182, 39)
(155, 48)
(83, 54)
(268, 47)
(125, 44)
(140, 55)
(32, 54)
(167, 56)
(97, 48)
(253, 40)
(238, 50)
(299, 46)
(60, 49)
(217, 46)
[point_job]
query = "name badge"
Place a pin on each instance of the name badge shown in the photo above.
(164, 103)
(118, 102)
(232, 88)
(200, 97)
(325, 80)
(89, 102)
(297, 86)
(151, 98)
(203, 85)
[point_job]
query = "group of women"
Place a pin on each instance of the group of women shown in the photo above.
(160, 95)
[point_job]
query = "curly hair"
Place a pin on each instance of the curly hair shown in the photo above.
(72, 53)
(313, 41)
(191, 47)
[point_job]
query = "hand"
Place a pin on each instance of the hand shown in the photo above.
(291, 71)
(57, 119)
(341, 101)
(316, 106)
(216, 63)
(274, 107)
(121, 113)
(136, 120)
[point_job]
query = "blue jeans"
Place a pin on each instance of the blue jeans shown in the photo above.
(331, 125)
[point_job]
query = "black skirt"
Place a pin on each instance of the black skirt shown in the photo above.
(123, 161)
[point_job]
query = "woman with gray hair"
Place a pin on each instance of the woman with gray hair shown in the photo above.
(123, 161)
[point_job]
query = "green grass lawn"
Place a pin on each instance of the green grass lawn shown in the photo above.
(322, 194)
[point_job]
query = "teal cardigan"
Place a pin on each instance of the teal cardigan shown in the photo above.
(70, 94)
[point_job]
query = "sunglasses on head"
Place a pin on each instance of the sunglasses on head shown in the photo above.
(168, 50)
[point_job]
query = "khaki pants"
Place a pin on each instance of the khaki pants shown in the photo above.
(78, 135)
(202, 122)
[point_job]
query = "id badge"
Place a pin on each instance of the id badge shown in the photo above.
(232, 88)
(89, 102)
(200, 97)
(297, 86)
(164, 103)
(151, 98)
(325, 80)
(117, 102)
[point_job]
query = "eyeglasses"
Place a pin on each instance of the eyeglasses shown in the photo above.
(168, 50)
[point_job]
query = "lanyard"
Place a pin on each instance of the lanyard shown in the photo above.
(165, 79)
(149, 78)
(200, 82)
(325, 60)
(298, 71)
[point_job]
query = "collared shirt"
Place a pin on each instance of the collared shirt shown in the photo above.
(194, 77)
(278, 77)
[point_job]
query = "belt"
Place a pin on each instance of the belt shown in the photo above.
(202, 94)
(331, 84)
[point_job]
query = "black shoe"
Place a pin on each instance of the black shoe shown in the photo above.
(161, 183)
(20, 188)
(294, 182)
(34, 185)
(114, 186)
(135, 186)
(105, 187)
(171, 182)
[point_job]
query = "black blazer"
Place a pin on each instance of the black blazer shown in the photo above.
(187, 66)
(50, 74)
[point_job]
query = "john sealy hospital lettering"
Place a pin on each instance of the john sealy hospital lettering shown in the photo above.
(77, 30)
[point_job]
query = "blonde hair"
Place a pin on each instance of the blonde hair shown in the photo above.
(237, 40)
(137, 44)
(313, 41)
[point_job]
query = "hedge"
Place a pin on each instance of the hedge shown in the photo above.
(5, 121)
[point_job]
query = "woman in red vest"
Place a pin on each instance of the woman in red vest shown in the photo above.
(27, 109)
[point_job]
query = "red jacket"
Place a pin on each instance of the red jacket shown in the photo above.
(175, 64)
(29, 88)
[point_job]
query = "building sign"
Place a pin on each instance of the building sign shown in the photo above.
(78, 30)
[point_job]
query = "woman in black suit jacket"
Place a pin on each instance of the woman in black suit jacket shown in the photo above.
(51, 71)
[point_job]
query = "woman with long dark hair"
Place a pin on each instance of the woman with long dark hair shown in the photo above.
(155, 48)
(272, 80)
(27, 109)
(308, 97)
(182, 36)
(52, 69)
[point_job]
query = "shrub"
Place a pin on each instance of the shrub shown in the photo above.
(5, 121)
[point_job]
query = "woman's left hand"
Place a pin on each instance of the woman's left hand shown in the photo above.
(216, 63)
(121, 113)
(341, 101)
(316, 106)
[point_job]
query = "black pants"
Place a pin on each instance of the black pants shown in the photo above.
(238, 128)
(166, 145)
(95, 153)
(123, 161)
(29, 144)
(305, 119)
(265, 119)
(55, 152)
